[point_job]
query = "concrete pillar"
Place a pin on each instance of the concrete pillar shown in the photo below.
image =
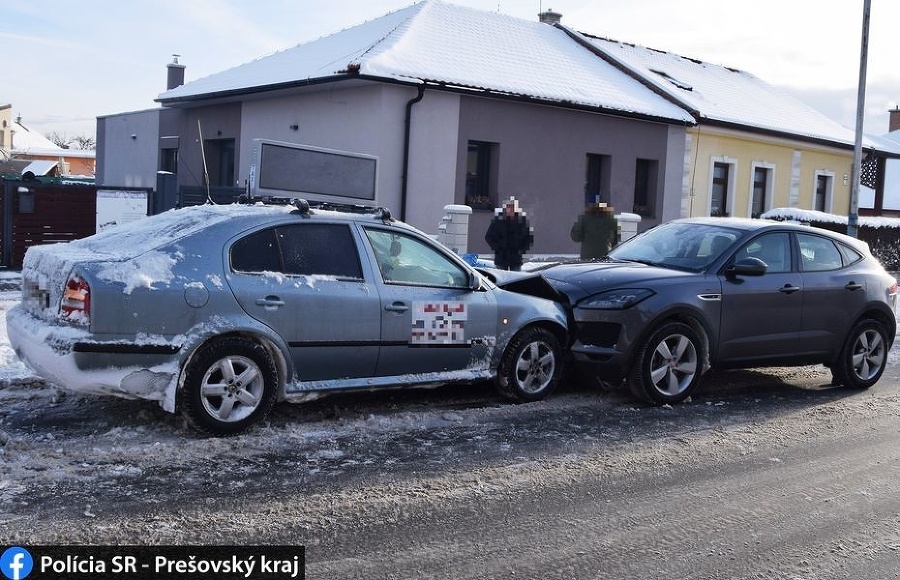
(628, 225)
(453, 230)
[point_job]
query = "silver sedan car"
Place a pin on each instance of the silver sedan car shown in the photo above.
(221, 310)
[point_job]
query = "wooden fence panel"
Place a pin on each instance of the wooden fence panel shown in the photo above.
(46, 214)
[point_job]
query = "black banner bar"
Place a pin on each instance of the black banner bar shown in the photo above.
(151, 562)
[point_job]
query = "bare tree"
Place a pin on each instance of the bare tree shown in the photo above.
(84, 142)
(78, 142)
(58, 140)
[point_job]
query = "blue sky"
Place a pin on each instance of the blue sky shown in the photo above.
(70, 62)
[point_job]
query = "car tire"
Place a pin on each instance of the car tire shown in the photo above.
(668, 365)
(530, 367)
(863, 356)
(229, 385)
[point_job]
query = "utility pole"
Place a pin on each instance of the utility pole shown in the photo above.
(853, 217)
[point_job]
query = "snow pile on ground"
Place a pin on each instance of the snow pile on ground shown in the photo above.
(11, 368)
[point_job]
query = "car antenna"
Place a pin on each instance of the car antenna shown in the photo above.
(205, 170)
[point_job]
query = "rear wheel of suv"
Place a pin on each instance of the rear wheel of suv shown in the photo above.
(229, 385)
(531, 365)
(863, 357)
(668, 365)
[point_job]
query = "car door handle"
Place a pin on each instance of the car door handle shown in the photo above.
(853, 286)
(270, 301)
(789, 289)
(397, 307)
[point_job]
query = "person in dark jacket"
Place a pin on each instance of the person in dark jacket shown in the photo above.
(597, 231)
(509, 235)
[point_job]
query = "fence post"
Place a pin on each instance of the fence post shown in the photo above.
(453, 230)
(628, 225)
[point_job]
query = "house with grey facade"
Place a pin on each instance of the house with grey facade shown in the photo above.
(468, 107)
(459, 106)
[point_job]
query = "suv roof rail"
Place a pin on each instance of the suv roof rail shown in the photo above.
(304, 207)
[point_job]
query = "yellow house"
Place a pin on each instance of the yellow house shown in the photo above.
(744, 174)
(754, 147)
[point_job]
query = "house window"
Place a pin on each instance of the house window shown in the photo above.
(719, 194)
(481, 188)
(168, 160)
(761, 180)
(644, 186)
(824, 183)
(596, 180)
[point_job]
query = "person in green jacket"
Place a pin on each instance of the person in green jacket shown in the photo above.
(596, 230)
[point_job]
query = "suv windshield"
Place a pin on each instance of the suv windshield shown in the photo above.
(678, 245)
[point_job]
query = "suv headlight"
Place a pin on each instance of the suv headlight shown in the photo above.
(618, 299)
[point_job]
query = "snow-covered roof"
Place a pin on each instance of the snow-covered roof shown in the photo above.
(889, 142)
(40, 167)
(26, 141)
(725, 95)
(439, 43)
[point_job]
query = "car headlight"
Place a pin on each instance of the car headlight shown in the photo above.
(618, 299)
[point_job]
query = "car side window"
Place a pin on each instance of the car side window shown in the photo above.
(403, 259)
(850, 255)
(302, 249)
(257, 252)
(774, 249)
(312, 249)
(818, 254)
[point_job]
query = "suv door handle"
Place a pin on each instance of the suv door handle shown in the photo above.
(789, 289)
(397, 307)
(853, 286)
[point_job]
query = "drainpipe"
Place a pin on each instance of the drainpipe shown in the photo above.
(404, 186)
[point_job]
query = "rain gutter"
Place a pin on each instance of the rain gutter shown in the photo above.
(404, 179)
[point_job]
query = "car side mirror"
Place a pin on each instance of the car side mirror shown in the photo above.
(748, 266)
(475, 283)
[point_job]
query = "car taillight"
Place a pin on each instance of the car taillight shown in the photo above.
(76, 302)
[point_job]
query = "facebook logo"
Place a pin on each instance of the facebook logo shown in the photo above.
(16, 563)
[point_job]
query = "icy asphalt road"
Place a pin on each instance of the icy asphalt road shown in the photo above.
(762, 475)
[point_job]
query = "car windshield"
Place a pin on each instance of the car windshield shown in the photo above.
(680, 245)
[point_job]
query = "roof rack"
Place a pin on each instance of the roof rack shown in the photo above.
(304, 207)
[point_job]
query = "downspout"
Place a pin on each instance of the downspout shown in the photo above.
(404, 179)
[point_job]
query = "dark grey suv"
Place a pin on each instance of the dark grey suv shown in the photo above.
(705, 293)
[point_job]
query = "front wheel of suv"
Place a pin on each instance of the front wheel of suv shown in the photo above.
(668, 365)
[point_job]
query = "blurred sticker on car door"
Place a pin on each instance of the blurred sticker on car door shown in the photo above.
(438, 323)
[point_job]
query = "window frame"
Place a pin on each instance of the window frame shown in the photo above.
(481, 179)
(278, 234)
(727, 185)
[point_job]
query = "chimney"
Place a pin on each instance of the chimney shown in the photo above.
(894, 122)
(175, 77)
(550, 17)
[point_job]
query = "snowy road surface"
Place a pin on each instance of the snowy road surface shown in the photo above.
(761, 475)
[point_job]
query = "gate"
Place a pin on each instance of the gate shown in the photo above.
(37, 213)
